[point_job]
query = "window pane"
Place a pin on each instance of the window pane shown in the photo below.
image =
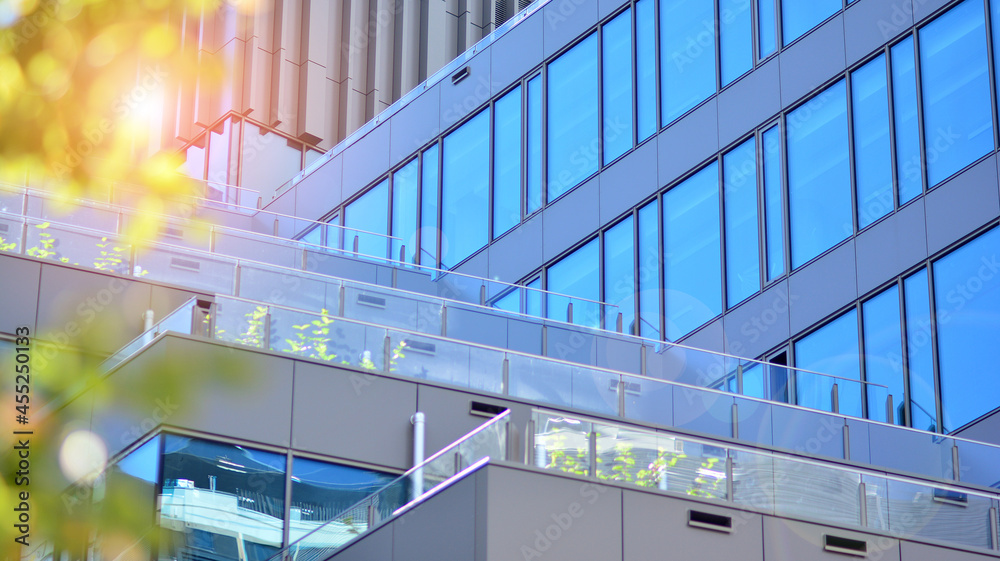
(735, 38)
(909, 172)
(872, 153)
(819, 176)
(884, 354)
(429, 207)
(692, 252)
(534, 163)
(799, 16)
(919, 352)
(742, 243)
(645, 50)
(223, 162)
(131, 481)
(774, 214)
(649, 271)
(958, 118)
(617, 86)
(366, 215)
(967, 297)
(575, 275)
(767, 26)
(619, 274)
(404, 211)
(572, 117)
(465, 190)
(199, 478)
(510, 302)
(268, 159)
(832, 349)
(194, 163)
(507, 162)
(321, 491)
(687, 54)
(533, 298)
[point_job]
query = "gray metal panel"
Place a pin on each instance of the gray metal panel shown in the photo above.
(478, 265)
(913, 551)
(566, 343)
(366, 160)
(688, 142)
(619, 354)
(414, 281)
(924, 8)
(754, 421)
(19, 287)
(817, 433)
(376, 545)
(570, 219)
(415, 125)
(447, 415)
(709, 337)
(868, 24)
(962, 204)
(518, 252)
(469, 95)
(911, 451)
(655, 527)
(824, 286)
(383, 275)
(738, 117)
(812, 60)
(986, 429)
(760, 323)
(259, 249)
(517, 52)
(703, 411)
(284, 204)
(321, 191)
(564, 21)
(477, 327)
(605, 7)
(277, 287)
(353, 415)
(524, 336)
(343, 267)
(798, 541)
(891, 246)
(164, 300)
(443, 527)
(628, 181)
(523, 507)
(860, 441)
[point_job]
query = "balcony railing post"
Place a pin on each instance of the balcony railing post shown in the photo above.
(569, 313)
(739, 378)
(834, 399)
(888, 410)
(618, 323)
(863, 503)
(592, 452)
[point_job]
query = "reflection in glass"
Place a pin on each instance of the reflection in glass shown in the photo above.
(884, 354)
(819, 174)
(649, 271)
(967, 306)
(799, 16)
(774, 199)
(368, 215)
(269, 159)
(909, 172)
(575, 275)
(220, 501)
(692, 252)
(619, 275)
(128, 496)
(429, 207)
(507, 162)
(767, 27)
(617, 85)
(831, 349)
(872, 152)
(534, 151)
(465, 190)
(954, 72)
(645, 65)
(687, 55)
(735, 39)
(572, 117)
(405, 184)
(533, 298)
(919, 351)
(742, 242)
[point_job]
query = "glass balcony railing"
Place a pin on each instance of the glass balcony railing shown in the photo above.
(773, 483)
(488, 442)
(179, 321)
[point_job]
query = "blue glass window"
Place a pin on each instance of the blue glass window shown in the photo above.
(367, 217)
(507, 162)
(909, 171)
(465, 190)
(534, 140)
(774, 199)
(735, 39)
(872, 152)
(919, 351)
(767, 27)
(510, 302)
(958, 114)
(429, 207)
(575, 275)
(799, 16)
(645, 64)
(831, 349)
(533, 298)
(619, 274)
(742, 239)
(884, 354)
(405, 184)
(966, 301)
(649, 271)
(687, 55)
(692, 252)
(617, 85)
(572, 117)
(819, 174)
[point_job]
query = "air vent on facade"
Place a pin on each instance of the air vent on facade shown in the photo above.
(372, 301)
(420, 347)
(951, 497)
(847, 546)
(501, 12)
(481, 409)
(170, 232)
(709, 521)
(460, 75)
(522, 4)
(4, 228)
(178, 263)
(633, 388)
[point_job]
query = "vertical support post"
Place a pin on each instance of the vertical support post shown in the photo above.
(482, 295)
(372, 515)
(847, 441)
(642, 360)
(275, 227)
(237, 281)
(569, 313)
(994, 530)
(622, 384)
(444, 319)
(863, 502)
(147, 327)
(956, 472)
(417, 478)
(357, 243)
(266, 342)
(739, 378)
(592, 449)
(888, 410)
(505, 382)
(834, 399)
(736, 421)
(729, 478)
(386, 351)
(342, 298)
(402, 254)
(618, 323)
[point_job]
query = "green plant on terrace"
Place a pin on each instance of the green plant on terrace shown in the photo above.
(564, 459)
(708, 480)
(7, 246)
(312, 339)
(110, 258)
(253, 334)
(46, 245)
